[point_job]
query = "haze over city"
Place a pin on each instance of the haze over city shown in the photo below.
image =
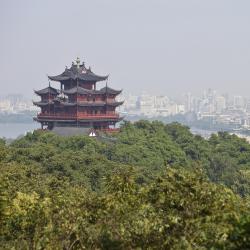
(161, 47)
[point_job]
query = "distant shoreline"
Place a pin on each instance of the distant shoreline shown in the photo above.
(14, 125)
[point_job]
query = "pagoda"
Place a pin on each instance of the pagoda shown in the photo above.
(78, 102)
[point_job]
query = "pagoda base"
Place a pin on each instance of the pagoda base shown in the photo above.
(70, 131)
(94, 124)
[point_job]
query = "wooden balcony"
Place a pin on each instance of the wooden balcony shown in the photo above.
(77, 117)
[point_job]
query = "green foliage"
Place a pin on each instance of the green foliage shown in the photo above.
(239, 237)
(179, 210)
(151, 186)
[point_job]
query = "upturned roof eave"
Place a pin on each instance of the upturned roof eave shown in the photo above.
(42, 103)
(87, 78)
(48, 90)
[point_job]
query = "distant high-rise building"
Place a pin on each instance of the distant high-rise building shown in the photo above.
(220, 104)
(181, 109)
(188, 100)
(161, 101)
(238, 102)
(226, 96)
(131, 103)
(146, 104)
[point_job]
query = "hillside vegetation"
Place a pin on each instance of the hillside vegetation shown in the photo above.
(151, 186)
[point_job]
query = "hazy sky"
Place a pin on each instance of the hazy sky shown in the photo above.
(162, 47)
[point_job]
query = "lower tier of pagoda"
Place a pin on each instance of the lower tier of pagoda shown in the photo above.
(79, 117)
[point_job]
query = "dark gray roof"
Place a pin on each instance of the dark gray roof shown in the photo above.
(48, 90)
(40, 104)
(115, 104)
(81, 90)
(81, 104)
(109, 91)
(79, 72)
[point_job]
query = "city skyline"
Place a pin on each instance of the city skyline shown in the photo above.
(222, 100)
(209, 111)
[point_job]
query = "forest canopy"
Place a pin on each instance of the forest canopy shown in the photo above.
(150, 186)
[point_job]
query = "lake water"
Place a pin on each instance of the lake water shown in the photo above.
(202, 132)
(13, 130)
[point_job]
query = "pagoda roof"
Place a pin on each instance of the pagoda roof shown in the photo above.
(108, 90)
(114, 104)
(43, 103)
(80, 90)
(48, 90)
(78, 71)
(81, 104)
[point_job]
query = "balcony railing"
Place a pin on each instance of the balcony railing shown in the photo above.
(79, 116)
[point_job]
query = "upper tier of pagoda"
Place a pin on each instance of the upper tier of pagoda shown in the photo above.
(78, 71)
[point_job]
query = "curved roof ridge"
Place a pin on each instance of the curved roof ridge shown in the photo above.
(78, 71)
(47, 90)
(110, 90)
